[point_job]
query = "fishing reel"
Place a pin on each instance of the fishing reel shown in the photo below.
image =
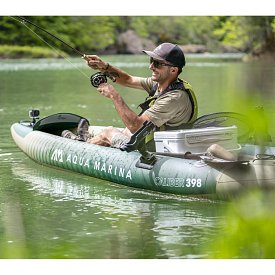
(99, 78)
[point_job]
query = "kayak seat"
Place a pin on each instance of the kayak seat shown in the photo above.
(56, 123)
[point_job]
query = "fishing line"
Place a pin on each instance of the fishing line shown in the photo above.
(54, 36)
(23, 21)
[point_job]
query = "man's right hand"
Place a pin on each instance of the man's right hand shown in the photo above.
(96, 63)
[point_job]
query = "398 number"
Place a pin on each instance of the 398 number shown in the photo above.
(193, 182)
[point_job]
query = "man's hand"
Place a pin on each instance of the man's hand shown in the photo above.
(95, 62)
(107, 90)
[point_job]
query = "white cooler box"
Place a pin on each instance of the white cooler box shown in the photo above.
(196, 140)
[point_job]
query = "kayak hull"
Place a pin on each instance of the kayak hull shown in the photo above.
(168, 175)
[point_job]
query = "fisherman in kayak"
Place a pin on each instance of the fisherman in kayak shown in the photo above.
(171, 103)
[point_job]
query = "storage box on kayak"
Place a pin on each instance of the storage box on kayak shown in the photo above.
(196, 140)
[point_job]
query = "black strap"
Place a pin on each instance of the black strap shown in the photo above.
(146, 104)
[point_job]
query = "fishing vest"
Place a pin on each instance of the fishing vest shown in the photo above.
(179, 85)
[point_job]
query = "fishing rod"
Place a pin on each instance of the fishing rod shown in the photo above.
(24, 20)
(96, 79)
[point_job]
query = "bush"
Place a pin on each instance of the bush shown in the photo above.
(11, 51)
(248, 229)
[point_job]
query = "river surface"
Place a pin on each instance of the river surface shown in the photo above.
(47, 213)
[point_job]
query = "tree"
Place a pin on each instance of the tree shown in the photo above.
(250, 33)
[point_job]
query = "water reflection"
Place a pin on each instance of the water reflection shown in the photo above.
(134, 223)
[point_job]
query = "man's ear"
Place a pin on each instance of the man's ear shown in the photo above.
(174, 69)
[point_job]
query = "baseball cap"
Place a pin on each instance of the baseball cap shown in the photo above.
(168, 52)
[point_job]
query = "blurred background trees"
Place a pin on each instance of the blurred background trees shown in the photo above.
(102, 34)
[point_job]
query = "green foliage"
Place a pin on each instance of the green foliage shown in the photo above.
(247, 33)
(91, 33)
(177, 29)
(97, 33)
(230, 33)
(10, 51)
(248, 231)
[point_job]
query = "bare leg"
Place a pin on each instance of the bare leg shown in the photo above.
(106, 136)
(99, 140)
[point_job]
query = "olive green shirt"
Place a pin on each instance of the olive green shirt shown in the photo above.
(173, 108)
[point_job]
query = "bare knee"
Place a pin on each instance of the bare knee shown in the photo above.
(105, 137)
(220, 152)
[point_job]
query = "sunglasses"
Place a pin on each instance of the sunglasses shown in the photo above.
(158, 64)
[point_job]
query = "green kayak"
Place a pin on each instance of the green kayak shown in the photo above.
(180, 174)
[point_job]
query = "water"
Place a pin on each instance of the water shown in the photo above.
(49, 213)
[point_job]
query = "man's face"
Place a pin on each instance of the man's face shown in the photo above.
(160, 70)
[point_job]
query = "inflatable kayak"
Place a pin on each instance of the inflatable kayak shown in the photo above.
(195, 173)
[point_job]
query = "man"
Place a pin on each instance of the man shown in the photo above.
(171, 103)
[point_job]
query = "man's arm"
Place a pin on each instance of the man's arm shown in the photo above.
(130, 119)
(121, 77)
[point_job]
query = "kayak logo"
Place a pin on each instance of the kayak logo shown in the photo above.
(102, 167)
(178, 182)
(169, 182)
(57, 155)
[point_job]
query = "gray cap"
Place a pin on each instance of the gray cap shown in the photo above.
(168, 52)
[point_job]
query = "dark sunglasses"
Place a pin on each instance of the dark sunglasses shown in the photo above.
(158, 64)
